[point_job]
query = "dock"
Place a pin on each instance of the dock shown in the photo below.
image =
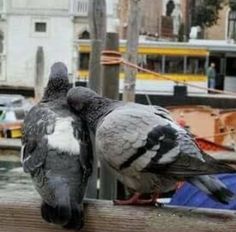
(17, 215)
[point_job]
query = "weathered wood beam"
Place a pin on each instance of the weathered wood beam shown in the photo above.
(17, 215)
(110, 77)
(97, 25)
(132, 49)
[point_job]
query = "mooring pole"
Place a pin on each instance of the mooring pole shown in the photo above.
(110, 77)
(39, 74)
(97, 24)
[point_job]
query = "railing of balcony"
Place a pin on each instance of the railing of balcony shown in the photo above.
(81, 8)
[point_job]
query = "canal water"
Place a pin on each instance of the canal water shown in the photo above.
(13, 181)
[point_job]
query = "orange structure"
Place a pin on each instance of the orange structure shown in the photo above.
(214, 128)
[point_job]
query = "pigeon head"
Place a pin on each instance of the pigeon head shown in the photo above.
(89, 105)
(79, 97)
(58, 71)
(58, 83)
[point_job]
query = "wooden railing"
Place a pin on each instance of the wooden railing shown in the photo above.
(17, 215)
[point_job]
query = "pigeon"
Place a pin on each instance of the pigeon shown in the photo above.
(148, 151)
(56, 152)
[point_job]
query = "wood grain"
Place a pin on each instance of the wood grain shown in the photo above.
(17, 215)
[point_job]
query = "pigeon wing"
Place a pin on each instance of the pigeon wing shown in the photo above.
(187, 160)
(38, 123)
(121, 137)
(86, 150)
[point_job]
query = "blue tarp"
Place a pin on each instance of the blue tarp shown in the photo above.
(188, 195)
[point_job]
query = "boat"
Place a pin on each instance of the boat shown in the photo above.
(13, 109)
(211, 126)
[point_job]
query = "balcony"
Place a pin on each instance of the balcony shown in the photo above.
(81, 8)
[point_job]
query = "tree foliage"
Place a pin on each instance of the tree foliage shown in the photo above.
(206, 12)
(232, 4)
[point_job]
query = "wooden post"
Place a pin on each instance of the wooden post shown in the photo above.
(95, 82)
(39, 74)
(132, 50)
(110, 77)
(97, 23)
(110, 73)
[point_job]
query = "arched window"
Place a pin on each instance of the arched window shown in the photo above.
(84, 35)
(232, 24)
(170, 6)
(83, 61)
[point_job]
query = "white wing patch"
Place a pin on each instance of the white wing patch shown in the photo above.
(140, 163)
(170, 156)
(22, 154)
(63, 137)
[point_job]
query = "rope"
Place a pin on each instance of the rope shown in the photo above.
(148, 99)
(110, 57)
(215, 135)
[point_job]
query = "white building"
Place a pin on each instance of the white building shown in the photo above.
(26, 25)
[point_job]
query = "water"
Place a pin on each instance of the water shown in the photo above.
(13, 181)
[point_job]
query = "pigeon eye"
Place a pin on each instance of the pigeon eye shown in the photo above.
(77, 106)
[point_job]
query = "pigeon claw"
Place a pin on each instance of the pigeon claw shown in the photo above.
(136, 200)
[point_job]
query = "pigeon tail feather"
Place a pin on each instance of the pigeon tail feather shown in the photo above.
(70, 216)
(214, 188)
(77, 218)
(59, 215)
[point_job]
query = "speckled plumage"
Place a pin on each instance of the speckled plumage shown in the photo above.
(56, 151)
(145, 147)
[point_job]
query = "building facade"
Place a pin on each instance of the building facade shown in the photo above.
(56, 25)
(159, 19)
(151, 11)
(29, 25)
(53, 25)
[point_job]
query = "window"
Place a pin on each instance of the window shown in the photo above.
(153, 62)
(232, 25)
(84, 35)
(231, 66)
(84, 61)
(82, 7)
(40, 27)
(174, 64)
(195, 65)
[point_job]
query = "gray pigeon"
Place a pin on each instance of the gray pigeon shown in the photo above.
(56, 151)
(146, 148)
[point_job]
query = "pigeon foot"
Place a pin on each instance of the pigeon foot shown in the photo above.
(136, 200)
